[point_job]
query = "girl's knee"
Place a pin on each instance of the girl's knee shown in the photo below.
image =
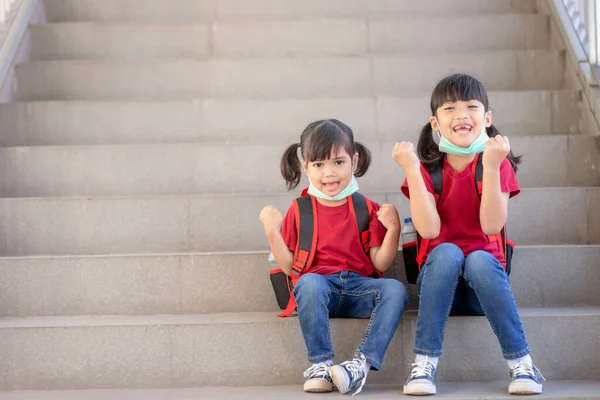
(448, 252)
(311, 285)
(448, 259)
(392, 290)
(480, 262)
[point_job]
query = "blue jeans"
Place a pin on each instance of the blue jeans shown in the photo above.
(449, 284)
(349, 295)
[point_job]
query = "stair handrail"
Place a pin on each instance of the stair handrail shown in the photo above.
(14, 21)
(578, 22)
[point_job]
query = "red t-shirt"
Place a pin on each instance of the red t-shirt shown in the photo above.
(338, 243)
(459, 209)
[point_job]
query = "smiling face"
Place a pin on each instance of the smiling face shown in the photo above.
(332, 175)
(461, 122)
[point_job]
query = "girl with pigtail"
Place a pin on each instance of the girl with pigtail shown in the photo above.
(340, 280)
(464, 266)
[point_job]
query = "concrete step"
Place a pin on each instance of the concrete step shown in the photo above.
(258, 349)
(78, 226)
(320, 37)
(214, 168)
(556, 390)
(372, 118)
(207, 10)
(299, 77)
(207, 283)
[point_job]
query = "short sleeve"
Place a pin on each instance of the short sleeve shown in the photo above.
(289, 230)
(508, 179)
(426, 179)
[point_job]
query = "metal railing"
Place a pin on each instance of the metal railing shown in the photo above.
(6, 6)
(14, 20)
(585, 16)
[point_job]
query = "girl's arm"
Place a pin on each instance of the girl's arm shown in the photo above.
(494, 203)
(271, 219)
(423, 209)
(383, 256)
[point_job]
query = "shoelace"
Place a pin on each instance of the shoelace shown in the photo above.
(317, 369)
(525, 368)
(422, 368)
(356, 368)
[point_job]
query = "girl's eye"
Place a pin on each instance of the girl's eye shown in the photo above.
(317, 165)
(339, 162)
(474, 106)
(448, 108)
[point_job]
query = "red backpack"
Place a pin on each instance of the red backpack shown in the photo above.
(413, 253)
(307, 225)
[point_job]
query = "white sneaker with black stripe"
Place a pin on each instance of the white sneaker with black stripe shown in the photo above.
(526, 379)
(318, 379)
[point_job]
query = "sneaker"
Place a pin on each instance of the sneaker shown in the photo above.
(526, 379)
(318, 379)
(421, 381)
(350, 375)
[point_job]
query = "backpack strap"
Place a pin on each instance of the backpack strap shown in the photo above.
(361, 209)
(306, 228)
(306, 222)
(437, 177)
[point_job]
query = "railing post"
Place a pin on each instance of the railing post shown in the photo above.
(595, 16)
(3, 11)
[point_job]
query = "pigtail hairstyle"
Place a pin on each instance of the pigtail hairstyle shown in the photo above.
(290, 166)
(514, 160)
(364, 159)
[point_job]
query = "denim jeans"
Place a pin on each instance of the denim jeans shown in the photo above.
(450, 284)
(349, 295)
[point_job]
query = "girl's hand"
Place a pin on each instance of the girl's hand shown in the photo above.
(271, 218)
(496, 150)
(404, 155)
(388, 216)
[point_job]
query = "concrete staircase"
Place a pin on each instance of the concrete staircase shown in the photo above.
(145, 138)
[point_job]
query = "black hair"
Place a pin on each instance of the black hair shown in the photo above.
(317, 141)
(457, 87)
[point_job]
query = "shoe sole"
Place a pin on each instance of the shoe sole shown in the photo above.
(525, 387)
(340, 379)
(317, 386)
(419, 389)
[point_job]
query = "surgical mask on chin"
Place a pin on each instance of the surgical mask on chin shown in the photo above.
(475, 148)
(348, 191)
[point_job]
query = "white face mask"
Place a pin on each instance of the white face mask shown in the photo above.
(475, 148)
(348, 191)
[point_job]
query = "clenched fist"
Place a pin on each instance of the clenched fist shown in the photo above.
(495, 151)
(271, 218)
(388, 216)
(405, 156)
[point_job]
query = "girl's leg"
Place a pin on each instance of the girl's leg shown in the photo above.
(383, 302)
(436, 286)
(486, 277)
(315, 298)
(488, 280)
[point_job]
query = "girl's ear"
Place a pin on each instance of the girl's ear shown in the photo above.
(435, 126)
(304, 166)
(354, 162)
(488, 119)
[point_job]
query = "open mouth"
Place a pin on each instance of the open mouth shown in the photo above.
(331, 186)
(462, 129)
